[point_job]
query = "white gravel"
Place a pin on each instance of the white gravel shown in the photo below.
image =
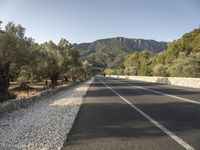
(43, 125)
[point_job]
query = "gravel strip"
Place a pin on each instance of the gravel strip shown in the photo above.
(43, 125)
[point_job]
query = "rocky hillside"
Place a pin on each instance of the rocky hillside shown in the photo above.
(106, 52)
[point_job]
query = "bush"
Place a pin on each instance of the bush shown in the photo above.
(130, 71)
(186, 66)
(159, 70)
(109, 71)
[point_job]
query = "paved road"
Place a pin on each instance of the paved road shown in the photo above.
(119, 114)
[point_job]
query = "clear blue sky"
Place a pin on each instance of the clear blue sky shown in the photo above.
(89, 20)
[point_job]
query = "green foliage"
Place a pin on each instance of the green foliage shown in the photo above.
(109, 71)
(54, 58)
(55, 61)
(75, 64)
(62, 59)
(14, 51)
(181, 58)
(22, 59)
(130, 71)
(159, 70)
(119, 71)
(24, 76)
(87, 67)
(112, 52)
(186, 66)
(137, 64)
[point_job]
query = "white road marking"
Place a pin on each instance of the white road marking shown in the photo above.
(169, 133)
(161, 93)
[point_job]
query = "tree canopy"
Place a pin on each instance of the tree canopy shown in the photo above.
(180, 58)
(23, 60)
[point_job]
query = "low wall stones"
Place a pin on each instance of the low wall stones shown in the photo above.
(14, 104)
(177, 81)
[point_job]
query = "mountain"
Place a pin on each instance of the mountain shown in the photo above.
(112, 51)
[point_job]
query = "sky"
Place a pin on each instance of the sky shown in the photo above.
(88, 20)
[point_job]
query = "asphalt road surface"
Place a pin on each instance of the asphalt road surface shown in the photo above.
(120, 114)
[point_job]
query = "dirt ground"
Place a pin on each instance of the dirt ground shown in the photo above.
(34, 88)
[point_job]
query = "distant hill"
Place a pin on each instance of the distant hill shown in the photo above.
(112, 51)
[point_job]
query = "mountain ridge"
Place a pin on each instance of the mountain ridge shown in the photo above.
(104, 51)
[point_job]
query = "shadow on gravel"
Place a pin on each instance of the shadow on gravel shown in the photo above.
(103, 115)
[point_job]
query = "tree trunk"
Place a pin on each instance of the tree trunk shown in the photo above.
(66, 78)
(46, 82)
(73, 78)
(4, 82)
(23, 86)
(54, 78)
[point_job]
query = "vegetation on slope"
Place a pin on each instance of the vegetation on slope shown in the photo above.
(112, 52)
(181, 58)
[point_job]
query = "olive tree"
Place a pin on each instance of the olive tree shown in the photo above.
(53, 61)
(75, 64)
(87, 67)
(14, 49)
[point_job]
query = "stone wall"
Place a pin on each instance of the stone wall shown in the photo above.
(14, 104)
(186, 82)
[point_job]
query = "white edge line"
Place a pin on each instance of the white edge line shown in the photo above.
(169, 95)
(169, 133)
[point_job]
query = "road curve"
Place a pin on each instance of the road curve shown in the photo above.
(123, 114)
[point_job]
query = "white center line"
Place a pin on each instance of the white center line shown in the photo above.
(161, 93)
(171, 134)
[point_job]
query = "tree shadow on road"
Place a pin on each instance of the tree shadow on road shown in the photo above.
(103, 115)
